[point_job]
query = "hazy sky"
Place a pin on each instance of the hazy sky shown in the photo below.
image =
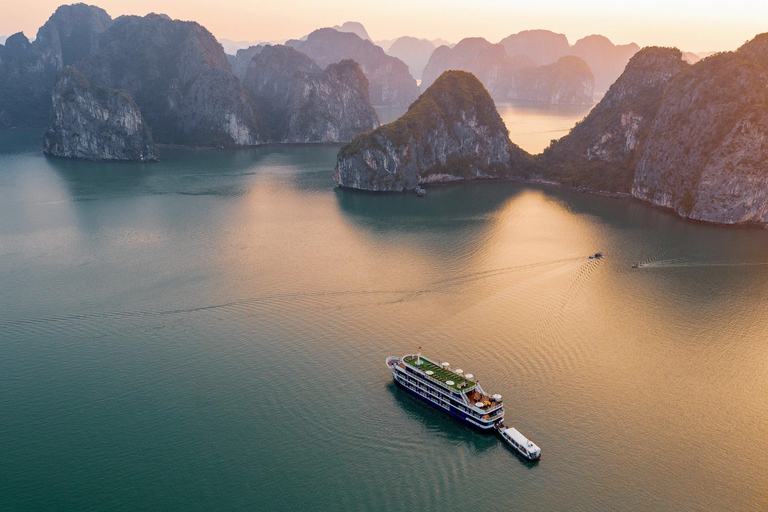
(694, 25)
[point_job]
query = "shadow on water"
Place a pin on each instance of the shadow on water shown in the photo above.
(445, 206)
(440, 424)
(21, 141)
(224, 173)
(94, 180)
(709, 264)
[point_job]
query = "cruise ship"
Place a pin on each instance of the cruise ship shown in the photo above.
(451, 390)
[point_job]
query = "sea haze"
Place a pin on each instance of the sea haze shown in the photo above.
(209, 332)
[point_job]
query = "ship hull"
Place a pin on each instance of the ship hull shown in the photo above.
(455, 414)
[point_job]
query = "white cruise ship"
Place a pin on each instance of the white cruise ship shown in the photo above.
(451, 390)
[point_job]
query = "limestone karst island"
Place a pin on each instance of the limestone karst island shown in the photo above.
(384, 256)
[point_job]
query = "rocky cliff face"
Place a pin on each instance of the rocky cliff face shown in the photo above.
(452, 132)
(414, 52)
(242, 59)
(706, 156)
(300, 102)
(332, 106)
(176, 71)
(389, 81)
(541, 46)
(93, 123)
(28, 70)
(601, 152)
(691, 138)
(179, 76)
(568, 81)
(606, 60)
(72, 33)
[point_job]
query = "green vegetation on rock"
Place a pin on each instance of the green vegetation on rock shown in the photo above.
(452, 131)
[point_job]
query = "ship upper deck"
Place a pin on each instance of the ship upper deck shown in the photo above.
(445, 376)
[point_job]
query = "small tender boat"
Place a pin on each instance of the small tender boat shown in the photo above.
(421, 192)
(636, 265)
(596, 256)
(518, 441)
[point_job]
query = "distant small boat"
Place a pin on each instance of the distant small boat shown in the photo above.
(596, 256)
(421, 192)
(636, 265)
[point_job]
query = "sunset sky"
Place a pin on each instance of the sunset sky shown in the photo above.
(693, 25)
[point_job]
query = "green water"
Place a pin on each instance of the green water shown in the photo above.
(209, 333)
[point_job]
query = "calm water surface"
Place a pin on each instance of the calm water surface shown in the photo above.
(209, 333)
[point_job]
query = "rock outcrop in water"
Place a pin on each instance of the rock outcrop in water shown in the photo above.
(706, 156)
(28, 69)
(567, 81)
(389, 81)
(94, 123)
(452, 132)
(176, 72)
(691, 138)
(601, 152)
(300, 102)
(179, 76)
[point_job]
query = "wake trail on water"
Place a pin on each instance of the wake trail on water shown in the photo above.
(444, 284)
(684, 263)
(82, 320)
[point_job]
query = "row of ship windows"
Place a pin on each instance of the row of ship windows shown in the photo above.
(426, 393)
(456, 401)
(457, 396)
(440, 397)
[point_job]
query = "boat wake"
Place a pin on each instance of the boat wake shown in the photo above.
(442, 285)
(684, 263)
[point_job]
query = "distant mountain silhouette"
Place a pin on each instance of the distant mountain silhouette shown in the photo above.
(606, 60)
(507, 77)
(542, 46)
(390, 82)
(386, 43)
(691, 58)
(487, 61)
(355, 28)
(231, 47)
(414, 52)
(442, 42)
